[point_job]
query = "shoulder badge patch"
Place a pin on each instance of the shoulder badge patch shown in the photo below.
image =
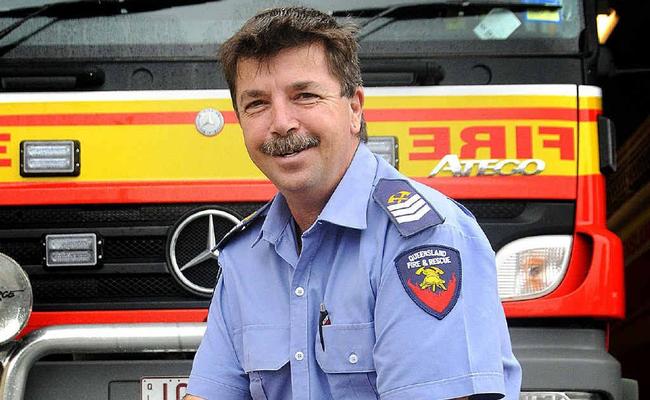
(431, 276)
(410, 212)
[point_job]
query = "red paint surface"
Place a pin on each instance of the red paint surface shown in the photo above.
(41, 319)
(524, 141)
(596, 288)
(481, 187)
(372, 115)
(561, 137)
(157, 118)
(479, 114)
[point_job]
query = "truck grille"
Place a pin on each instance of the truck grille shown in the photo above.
(135, 273)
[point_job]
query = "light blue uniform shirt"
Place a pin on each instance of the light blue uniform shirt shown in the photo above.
(263, 340)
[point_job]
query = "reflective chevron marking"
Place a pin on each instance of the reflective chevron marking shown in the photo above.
(408, 210)
(414, 217)
(405, 204)
(411, 210)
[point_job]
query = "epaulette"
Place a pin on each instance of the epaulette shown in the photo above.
(410, 212)
(241, 226)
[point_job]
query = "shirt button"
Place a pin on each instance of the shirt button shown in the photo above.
(299, 356)
(299, 291)
(353, 358)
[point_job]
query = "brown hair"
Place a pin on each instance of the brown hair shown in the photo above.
(267, 33)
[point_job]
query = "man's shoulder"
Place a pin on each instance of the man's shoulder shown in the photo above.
(413, 206)
(247, 228)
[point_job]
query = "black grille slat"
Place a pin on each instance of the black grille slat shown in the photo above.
(494, 210)
(109, 215)
(117, 287)
(25, 252)
(134, 249)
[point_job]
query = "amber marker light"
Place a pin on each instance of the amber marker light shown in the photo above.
(606, 24)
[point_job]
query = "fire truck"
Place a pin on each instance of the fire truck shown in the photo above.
(122, 164)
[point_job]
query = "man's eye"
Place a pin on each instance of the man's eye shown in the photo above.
(306, 96)
(253, 105)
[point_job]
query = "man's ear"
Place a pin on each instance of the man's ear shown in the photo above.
(356, 108)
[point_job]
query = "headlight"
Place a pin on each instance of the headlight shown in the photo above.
(533, 266)
(15, 298)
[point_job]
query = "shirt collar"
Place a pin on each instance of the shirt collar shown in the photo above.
(349, 203)
(347, 206)
(277, 218)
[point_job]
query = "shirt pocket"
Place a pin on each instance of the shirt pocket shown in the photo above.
(265, 349)
(347, 360)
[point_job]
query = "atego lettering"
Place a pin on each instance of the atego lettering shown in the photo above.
(507, 167)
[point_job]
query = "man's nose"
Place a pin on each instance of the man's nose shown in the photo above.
(284, 118)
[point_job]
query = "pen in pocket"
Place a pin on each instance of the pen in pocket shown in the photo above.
(322, 321)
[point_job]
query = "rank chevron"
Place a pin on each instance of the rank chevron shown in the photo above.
(411, 210)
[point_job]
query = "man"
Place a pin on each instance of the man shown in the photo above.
(354, 282)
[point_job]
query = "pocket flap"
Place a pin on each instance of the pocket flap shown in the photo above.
(266, 348)
(348, 348)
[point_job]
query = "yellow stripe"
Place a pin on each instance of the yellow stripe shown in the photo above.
(83, 107)
(179, 152)
(148, 152)
(588, 146)
(590, 103)
(401, 102)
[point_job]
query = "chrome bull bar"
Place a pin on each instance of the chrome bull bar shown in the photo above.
(104, 338)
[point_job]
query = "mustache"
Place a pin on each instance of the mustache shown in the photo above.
(292, 143)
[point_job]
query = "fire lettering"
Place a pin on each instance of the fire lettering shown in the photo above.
(495, 141)
(524, 142)
(564, 141)
(439, 141)
(4, 162)
(434, 143)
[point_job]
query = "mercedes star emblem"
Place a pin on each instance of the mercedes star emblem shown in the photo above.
(188, 257)
(209, 122)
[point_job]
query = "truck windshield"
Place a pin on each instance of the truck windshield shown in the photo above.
(195, 31)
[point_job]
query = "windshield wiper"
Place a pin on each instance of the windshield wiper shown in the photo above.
(88, 9)
(428, 10)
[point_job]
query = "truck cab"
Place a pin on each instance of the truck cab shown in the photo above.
(122, 164)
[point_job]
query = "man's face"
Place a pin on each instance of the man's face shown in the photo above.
(298, 129)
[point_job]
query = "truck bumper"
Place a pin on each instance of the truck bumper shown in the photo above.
(92, 339)
(553, 360)
(569, 360)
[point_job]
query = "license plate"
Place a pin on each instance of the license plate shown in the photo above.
(163, 388)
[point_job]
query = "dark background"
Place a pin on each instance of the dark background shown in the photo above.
(625, 79)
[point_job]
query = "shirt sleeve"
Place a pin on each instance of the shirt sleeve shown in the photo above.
(216, 371)
(464, 351)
